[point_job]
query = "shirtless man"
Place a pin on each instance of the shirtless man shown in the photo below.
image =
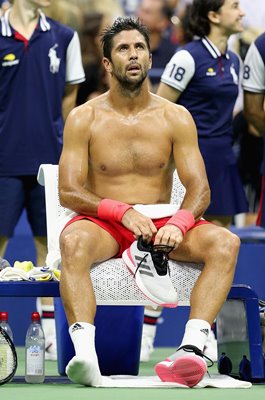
(120, 149)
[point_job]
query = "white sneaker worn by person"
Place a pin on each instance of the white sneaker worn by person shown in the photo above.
(149, 264)
(147, 348)
(188, 368)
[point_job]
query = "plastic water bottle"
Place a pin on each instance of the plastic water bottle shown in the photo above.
(35, 350)
(4, 323)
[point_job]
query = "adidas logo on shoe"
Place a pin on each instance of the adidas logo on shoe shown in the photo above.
(149, 265)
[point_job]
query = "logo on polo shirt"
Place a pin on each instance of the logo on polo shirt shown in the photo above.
(210, 72)
(54, 59)
(9, 60)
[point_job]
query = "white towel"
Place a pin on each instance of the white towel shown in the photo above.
(223, 381)
(34, 274)
(216, 381)
(155, 211)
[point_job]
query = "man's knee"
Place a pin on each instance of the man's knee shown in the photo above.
(75, 244)
(226, 245)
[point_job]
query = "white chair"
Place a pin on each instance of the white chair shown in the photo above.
(112, 281)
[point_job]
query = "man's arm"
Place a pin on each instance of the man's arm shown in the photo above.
(190, 164)
(254, 110)
(191, 171)
(73, 165)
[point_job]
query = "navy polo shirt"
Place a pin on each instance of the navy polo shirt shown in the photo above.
(33, 74)
(254, 74)
(208, 81)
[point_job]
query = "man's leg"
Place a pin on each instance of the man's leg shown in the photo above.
(82, 243)
(210, 349)
(217, 248)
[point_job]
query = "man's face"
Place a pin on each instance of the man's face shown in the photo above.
(231, 16)
(130, 59)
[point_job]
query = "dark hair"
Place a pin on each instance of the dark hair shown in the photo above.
(199, 23)
(119, 25)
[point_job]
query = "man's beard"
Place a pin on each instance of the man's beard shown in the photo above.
(128, 84)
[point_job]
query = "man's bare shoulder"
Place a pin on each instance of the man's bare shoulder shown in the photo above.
(172, 111)
(85, 113)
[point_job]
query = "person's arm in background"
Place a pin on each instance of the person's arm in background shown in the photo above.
(254, 110)
(254, 85)
(74, 75)
(176, 76)
(69, 99)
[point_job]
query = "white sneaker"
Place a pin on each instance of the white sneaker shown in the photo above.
(188, 368)
(147, 348)
(210, 348)
(50, 348)
(149, 264)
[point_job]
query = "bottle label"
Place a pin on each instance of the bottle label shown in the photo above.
(35, 361)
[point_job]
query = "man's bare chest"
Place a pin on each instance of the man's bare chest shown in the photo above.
(129, 147)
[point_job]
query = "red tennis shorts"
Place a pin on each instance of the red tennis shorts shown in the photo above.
(122, 235)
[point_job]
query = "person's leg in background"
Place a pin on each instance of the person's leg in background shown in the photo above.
(36, 213)
(11, 206)
(151, 316)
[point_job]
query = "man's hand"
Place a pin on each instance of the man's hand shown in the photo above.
(169, 235)
(139, 224)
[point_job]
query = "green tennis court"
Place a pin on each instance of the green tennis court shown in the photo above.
(57, 387)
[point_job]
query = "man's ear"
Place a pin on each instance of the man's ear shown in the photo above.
(107, 64)
(150, 61)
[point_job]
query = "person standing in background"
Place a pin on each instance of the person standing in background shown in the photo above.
(203, 77)
(254, 90)
(39, 75)
(155, 14)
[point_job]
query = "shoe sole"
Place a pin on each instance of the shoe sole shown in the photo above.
(130, 265)
(185, 370)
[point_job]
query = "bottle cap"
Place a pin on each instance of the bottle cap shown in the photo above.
(4, 316)
(35, 316)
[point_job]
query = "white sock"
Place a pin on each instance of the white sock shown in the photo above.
(196, 334)
(84, 368)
